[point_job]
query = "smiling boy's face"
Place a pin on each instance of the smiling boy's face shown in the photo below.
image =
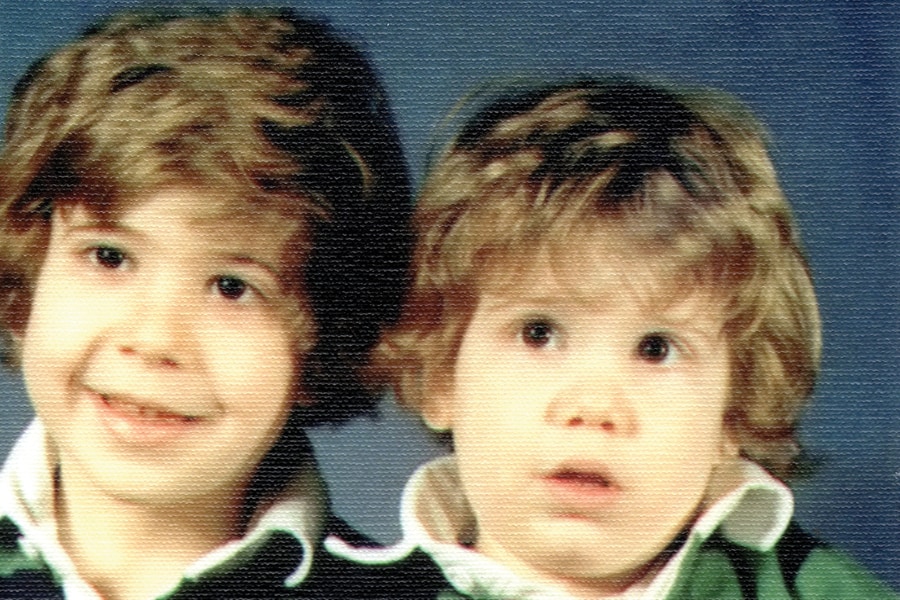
(587, 414)
(160, 351)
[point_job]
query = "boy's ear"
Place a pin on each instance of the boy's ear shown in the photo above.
(437, 402)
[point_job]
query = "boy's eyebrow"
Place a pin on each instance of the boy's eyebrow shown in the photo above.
(91, 224)
(509, 300)
(246, 260)
(223, 248)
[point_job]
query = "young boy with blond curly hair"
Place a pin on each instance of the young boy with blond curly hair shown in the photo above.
(613, 318)
(202, 232)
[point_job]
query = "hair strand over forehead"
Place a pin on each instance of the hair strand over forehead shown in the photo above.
(683, 172)
(265, 109)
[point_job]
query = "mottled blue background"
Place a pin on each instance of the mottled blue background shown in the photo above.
(823, 75)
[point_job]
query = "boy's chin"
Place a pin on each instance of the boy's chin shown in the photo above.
(157, 488)
(574, 556)
(165, 495)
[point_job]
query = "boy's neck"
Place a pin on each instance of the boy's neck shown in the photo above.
(135, 551)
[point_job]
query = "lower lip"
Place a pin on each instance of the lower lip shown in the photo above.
(138, 430)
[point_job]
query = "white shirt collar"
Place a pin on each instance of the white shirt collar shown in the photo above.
(27, 496)
(748, 506)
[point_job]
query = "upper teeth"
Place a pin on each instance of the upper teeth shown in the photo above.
(145, 412)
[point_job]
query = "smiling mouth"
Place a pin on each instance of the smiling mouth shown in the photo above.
(143, 412)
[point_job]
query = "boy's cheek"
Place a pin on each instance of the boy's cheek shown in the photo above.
(65, 318)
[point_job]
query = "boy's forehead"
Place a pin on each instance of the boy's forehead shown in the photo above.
(591, 265)
(216, 218)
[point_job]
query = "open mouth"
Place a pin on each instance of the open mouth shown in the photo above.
(582, 478)
(139, 411)
(582, 483)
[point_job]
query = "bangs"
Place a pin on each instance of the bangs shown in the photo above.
(668, 234)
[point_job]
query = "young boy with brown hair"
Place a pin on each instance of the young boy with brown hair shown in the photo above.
(202, 232)
(612, 315)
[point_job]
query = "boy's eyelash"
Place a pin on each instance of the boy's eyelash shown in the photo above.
(659, 346)
(109, 256)
(538, 332)
(234, 287)
(112, 256)
(239, 288)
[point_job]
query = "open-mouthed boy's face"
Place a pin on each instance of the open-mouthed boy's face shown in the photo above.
(159, 354)
(587, 407)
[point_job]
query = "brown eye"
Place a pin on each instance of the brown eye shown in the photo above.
(538, 334)
(232, 288)
(654, 348)
(108, 257)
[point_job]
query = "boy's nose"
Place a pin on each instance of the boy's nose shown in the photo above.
(591, 408)
(155, 331)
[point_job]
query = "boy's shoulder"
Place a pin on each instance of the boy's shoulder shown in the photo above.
(414, 577)
(261, 575)
(823, 571)
(21, 575)
(800, 566)
(334, 575)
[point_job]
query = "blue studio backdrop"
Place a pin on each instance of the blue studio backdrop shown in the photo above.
(822, 74)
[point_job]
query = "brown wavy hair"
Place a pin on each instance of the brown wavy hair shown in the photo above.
(271, 110)
(684, 172)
